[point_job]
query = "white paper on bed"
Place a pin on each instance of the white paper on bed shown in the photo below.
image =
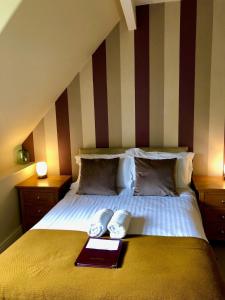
(151, 215)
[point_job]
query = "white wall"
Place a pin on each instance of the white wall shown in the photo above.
(10, 227)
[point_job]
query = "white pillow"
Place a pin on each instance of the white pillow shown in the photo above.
(74, 186)
(184, 165)
(124, 176)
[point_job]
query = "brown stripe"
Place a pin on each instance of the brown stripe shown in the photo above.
(141, 44)
(100, 96)
(63, 133)
(187, 72)
(28, 145)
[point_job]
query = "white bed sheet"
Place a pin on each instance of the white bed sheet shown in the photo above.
(151, 215)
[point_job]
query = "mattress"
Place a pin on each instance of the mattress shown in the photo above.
(151, 215)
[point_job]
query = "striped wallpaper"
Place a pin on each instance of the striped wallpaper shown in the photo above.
(161, 85)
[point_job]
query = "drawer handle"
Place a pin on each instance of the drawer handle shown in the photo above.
(39, 211)
(222, 217)
(223, 201)
(222, 231)
(38, 198)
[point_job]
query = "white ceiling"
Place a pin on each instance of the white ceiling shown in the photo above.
(43, 45)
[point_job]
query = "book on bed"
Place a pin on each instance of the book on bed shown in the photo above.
(100, 253)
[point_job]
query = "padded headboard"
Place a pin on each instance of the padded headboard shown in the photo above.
(122, 150)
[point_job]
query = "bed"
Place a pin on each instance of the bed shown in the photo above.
(165, 256)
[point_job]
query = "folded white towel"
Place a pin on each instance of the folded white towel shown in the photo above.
(99, 222)
(119, 224)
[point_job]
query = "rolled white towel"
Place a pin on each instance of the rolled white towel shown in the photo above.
(99, 222)
(119, 224)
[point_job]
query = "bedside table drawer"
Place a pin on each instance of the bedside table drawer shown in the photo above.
(214, 215)
(210, 191)
(37, 210)
(215, 199)
(215, 231)
(37, 196)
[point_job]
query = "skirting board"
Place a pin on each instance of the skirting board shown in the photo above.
(11, 238)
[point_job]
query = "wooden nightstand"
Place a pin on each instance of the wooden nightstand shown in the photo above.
(211, 196)
(38, 196)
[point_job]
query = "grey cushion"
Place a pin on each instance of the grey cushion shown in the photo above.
(98, 176)
(155, 177)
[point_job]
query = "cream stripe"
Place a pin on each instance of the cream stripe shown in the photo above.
(39, 142)
(127, 85)
(217, 94)
(156, 48)
(113, 87)
(75, 121)
(87, 106)
(51, 141)
(171, 73)
(202, 84)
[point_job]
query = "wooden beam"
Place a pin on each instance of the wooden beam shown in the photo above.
(144, 2)
(129, 13)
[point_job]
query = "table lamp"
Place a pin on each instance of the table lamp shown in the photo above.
(41, 169)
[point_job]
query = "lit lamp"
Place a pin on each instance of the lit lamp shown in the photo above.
(224, 171)
(41, 169)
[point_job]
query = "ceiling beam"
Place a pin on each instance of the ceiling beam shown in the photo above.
(144, 2)
(129, 13)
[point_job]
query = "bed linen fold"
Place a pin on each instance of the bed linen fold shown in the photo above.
(151, 215)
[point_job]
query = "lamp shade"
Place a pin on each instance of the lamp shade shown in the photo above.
(41, 169)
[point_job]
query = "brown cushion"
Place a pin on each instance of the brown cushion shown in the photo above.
(98, 176)
(155, 177)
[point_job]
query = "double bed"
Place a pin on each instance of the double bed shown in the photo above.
(165, 256)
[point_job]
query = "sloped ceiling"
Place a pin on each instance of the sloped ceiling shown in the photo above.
(42, 47)
(7, 10)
